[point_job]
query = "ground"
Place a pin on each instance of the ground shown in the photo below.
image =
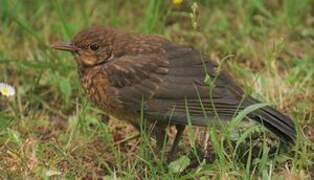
(50, 130)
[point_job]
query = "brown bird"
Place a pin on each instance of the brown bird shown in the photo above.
(127, 74)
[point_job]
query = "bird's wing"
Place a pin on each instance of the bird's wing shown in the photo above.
(196, 87)
(167, 86)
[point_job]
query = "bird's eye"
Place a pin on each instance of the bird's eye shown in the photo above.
(94, 47)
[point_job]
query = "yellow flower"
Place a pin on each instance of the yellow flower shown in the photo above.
(6, 90)
(177, 2)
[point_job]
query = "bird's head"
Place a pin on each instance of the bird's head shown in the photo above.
(90, 47)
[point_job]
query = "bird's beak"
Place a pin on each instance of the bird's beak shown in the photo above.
(64, 47)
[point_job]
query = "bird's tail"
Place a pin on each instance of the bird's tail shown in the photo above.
(276, 122)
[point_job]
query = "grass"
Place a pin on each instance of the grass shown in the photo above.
(49, 129)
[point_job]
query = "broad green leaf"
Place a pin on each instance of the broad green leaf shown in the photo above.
(179, 165)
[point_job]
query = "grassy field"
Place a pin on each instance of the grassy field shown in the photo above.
(50, 130)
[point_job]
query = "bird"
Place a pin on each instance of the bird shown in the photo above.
(129, 75)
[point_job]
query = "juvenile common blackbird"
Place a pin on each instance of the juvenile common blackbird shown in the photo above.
(127, 74)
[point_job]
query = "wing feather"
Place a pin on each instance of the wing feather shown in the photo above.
(171, 83)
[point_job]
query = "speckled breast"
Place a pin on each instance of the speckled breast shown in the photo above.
(98, 89)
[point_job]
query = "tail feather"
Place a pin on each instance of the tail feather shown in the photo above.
(276, 122)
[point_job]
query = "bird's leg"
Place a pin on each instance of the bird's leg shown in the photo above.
(180, 130)
(161, 139)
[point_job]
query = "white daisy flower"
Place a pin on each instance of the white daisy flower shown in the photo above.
(6, 90)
